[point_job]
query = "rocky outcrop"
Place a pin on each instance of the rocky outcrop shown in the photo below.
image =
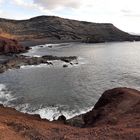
(10, 46)
(116, 116)
(42, 29)
(116, 106)
(16, 61)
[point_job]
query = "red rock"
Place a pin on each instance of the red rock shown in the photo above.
(114, 106)
(10, 46)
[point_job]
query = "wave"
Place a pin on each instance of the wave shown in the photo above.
(48, 112)
(82, 60)
(5, 95)
(34, 66)
(34, 49)
(51, 112)
(48, 46)
(56, 64)
(36, 55)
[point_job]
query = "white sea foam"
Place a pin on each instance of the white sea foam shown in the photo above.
(36, 56)
(82, 60)
(56, 63)
(51, 113)
(5, 95)
(2, 86)
(34, 66)
(36, 48)
(22, 107)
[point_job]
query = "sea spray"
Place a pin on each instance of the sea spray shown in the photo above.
(5, 95)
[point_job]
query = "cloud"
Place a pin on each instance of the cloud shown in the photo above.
(1, 1)
(131, 13)
(56, 4)
(125, 11)
(23, 3)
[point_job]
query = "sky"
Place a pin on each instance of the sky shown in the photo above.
(125, 14)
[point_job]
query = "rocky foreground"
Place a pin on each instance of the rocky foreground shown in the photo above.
(116, 116)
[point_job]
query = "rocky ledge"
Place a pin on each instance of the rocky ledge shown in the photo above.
(115, 116)
(10, 56)
(16, 61)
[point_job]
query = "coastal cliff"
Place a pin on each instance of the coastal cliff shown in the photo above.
(115, 116)
(45, 29)
(10, 46)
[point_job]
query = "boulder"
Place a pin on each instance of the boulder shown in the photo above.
(62, 119)
(65, 66)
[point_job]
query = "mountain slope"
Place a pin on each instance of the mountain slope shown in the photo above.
(51, 28)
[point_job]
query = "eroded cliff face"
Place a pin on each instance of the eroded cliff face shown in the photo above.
(10, 46)
(115, 116)
(116, 106)
(50, 28)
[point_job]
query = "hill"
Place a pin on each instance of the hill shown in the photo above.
(51, 29)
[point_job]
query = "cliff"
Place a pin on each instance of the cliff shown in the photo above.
(115, 116)
(119, 106)
(51, 29)
(10, 46)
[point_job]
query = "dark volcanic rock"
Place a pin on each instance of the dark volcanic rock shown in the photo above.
(65, 66)
(10, 46)
(50, 46)
(50, 29)
(62, 119)
(66, 59)
(15, 61)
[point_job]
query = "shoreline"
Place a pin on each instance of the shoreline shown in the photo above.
(17, 61)
(43, 42)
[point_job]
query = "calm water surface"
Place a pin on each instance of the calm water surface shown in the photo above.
(53, 90)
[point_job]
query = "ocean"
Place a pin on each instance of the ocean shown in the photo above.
(51, 90)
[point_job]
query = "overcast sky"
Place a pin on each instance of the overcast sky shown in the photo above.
(125, 14)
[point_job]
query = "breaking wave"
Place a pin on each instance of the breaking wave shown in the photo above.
(34, 66)
(51, 112)
(5, 95)
(48, 112)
